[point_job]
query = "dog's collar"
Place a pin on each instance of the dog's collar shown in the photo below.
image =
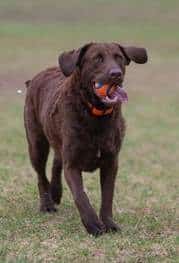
(97, 112)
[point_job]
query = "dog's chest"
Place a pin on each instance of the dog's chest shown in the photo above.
(86, 146)
(90, 155)
(91, 151)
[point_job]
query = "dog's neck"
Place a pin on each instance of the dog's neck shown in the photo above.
(93, 109)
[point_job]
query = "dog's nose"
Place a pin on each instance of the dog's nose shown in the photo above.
(115, 73)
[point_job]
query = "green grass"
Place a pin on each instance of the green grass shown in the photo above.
(146, 194)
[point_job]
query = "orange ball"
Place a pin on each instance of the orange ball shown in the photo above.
(103, 90)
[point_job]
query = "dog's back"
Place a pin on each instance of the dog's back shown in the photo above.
(42, 89)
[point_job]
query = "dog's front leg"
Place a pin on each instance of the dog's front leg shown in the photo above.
(88, 215)
(108, 173)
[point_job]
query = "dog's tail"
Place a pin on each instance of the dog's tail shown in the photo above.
(27, 83)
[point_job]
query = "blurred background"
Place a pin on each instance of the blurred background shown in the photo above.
(32, 35)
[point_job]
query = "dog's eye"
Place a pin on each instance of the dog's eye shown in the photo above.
(118, 57)
(99, 58)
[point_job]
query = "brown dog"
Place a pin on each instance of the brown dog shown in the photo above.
(76, 109)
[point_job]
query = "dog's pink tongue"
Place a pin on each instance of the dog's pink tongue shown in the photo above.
(121, 94)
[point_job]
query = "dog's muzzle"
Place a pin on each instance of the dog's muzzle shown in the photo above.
(110, 94)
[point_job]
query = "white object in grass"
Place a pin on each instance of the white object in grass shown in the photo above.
(19, 91)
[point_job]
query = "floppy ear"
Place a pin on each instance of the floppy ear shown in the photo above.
(68, 61)
(136, 54)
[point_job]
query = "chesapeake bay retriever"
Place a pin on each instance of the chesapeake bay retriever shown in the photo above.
(76, 109)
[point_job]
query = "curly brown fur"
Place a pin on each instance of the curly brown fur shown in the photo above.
(57, 116)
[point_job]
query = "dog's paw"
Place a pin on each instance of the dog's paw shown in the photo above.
(47, 209)
(47, 204)
(56, 194)
(111, 226)
(95, 228)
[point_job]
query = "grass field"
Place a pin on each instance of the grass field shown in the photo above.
(32, 34)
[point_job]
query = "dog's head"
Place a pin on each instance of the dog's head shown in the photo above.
(102, 69)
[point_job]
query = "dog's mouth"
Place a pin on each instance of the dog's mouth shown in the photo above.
(110, 94)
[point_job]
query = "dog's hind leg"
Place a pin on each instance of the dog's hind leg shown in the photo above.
(38, 151)
(56, 181)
